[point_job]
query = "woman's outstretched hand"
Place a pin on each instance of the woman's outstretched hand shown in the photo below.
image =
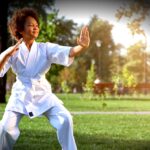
(84, 39)
(83, 42)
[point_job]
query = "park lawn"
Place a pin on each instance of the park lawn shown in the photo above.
(78, 102)
(92, 132)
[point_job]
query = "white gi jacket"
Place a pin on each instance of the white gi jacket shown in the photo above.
(31, 93)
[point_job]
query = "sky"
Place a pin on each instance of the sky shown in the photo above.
(82, 11)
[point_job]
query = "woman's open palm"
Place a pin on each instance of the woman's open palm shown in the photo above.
(84, 39)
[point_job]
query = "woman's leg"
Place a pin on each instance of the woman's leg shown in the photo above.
(61, 119)
(9, 131)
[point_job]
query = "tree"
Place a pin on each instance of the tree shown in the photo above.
(125, 79)
(136, 61)
(89, 86)
(128, 79)
(102, 48)
(3, 44)
(103, 55)
(65, 87)
(137, 11)
(48, 28)
(42, 6)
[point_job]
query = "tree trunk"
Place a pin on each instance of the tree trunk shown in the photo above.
(3, 44)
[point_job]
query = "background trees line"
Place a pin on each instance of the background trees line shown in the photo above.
(103, 51)
(106, 55)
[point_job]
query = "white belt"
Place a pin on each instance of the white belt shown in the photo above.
(30, 80)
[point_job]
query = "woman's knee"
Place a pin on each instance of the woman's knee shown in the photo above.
(1, 128)
(67, 120)
(61, 121)
(13, 131)
(9, 129)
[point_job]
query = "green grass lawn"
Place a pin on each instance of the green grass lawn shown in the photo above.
(92, 132)
(79, 102)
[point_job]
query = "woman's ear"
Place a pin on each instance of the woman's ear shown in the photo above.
(21, 32)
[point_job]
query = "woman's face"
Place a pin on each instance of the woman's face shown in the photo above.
(31, 29)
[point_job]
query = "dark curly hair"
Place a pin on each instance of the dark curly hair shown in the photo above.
(17, 22)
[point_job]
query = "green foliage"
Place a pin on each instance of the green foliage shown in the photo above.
(124, 79)
(48, 28)
(136, 11)
(128, 78)
(104, 51)
(90, 78)
(40, 5)
(65, 31)
(137, 59)
(103, 56)
(65, 87)
(116, 79)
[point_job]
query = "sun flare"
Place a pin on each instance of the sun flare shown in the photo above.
(122, 35)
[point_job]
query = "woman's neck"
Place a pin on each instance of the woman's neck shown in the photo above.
(28, 43)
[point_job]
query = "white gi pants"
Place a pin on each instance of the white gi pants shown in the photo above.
(58, 116)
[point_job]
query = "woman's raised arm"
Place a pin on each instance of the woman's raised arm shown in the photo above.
(11, 52)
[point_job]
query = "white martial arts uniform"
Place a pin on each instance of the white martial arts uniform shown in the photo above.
(31, 93)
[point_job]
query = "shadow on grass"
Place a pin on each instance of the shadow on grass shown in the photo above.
(41, 140)
(37, 140)
(99, 142)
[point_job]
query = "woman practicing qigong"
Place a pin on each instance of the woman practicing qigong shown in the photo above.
(31, 93)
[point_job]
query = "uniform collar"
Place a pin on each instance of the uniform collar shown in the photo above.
(24, 55)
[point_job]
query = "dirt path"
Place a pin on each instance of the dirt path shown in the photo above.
(107, 113)
(112, 113)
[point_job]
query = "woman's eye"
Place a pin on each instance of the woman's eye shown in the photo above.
(30, 25)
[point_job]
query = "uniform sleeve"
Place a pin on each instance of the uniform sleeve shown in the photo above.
(59, 54)
(7, 64)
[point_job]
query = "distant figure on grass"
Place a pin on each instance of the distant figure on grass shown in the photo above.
(31, 93)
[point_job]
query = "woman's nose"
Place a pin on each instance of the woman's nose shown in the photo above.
(36, 27)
